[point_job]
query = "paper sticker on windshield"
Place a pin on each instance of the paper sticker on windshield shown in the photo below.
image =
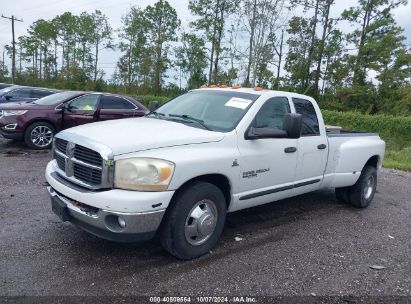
(240, 103)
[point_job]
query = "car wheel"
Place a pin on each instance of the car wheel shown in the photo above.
(342, 194)
(194, 222)
(362, 193)
(39, 135)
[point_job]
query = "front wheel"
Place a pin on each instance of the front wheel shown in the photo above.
(195, 221)
(39, 135)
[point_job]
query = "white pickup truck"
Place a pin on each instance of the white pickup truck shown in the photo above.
(178, 171)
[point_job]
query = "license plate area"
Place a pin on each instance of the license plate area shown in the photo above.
(59, 208)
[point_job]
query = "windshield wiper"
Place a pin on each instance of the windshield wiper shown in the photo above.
(191, 119)
(157, 115)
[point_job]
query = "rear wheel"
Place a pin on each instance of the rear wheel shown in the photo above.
(362, 193)
(195, 221)
(39, 135)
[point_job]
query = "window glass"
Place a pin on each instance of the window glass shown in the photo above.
(310, 125)
(55, 98)
(40, 93)
(86, 102)
(218, 110)
(112, 102)
(20, 93)
(271, 114)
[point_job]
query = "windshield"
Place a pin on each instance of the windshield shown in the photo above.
(213, 110)
(55, 98)
(6, 90)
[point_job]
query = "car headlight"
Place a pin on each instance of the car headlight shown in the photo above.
(14, 112)
(143, 174)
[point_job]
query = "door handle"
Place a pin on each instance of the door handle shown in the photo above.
(290, 150)
(322, 146)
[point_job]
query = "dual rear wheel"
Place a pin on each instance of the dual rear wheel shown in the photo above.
(362, 192)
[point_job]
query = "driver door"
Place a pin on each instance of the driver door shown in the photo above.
(81, 110)
(267, 165)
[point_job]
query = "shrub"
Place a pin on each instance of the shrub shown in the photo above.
(395, 130)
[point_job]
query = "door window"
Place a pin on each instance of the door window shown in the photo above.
(271, 114)
(20, 93)
(86, 102)
(115, 103)
(310, 125)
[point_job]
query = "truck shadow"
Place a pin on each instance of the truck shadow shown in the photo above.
(258, 226)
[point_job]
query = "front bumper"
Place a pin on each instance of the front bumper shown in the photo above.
(12, 135)
(105, 224)
(98, 212)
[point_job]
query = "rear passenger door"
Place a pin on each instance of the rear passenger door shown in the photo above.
(312, 148)
(114, 107)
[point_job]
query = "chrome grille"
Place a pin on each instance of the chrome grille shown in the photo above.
(81, 165)
(60, 161)
(61, 145)
(87, 155)
(88, 175)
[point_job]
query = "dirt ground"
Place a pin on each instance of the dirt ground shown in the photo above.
(310, 245)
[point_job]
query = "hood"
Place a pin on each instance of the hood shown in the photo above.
(137, 134)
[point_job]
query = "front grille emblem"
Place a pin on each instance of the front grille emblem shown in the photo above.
(69, 160)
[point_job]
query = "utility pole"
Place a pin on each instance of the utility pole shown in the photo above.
(13, 67)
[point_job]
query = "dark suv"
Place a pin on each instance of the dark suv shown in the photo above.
(23, 94)
(4, 85)
(38, 121)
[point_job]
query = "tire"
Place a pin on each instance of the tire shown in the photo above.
(342, 195)
(39, 136)
(186, 237)
(362, 193)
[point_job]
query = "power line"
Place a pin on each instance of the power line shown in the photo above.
(13, 67)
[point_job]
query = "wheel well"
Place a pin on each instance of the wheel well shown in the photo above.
(218, 180)
(373, 161)
(41, 120)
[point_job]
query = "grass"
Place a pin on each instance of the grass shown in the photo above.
(400, 160)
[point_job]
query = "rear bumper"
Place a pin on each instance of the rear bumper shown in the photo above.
(105, 224)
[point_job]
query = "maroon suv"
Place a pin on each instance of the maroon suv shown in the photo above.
(37, 122)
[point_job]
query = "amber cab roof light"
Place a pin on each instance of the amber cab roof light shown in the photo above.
(235, 87)
(258, 88)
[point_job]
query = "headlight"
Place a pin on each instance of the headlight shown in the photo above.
(143, 174)
(14, 112)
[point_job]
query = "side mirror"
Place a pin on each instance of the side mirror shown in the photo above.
(292, 124)
(259, 133)
(66, 106)
(153, 105)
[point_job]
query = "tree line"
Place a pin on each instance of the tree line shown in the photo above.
(296, 45)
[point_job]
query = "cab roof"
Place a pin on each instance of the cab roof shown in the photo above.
(254, 91)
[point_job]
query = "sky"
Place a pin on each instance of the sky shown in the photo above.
(32, 10)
